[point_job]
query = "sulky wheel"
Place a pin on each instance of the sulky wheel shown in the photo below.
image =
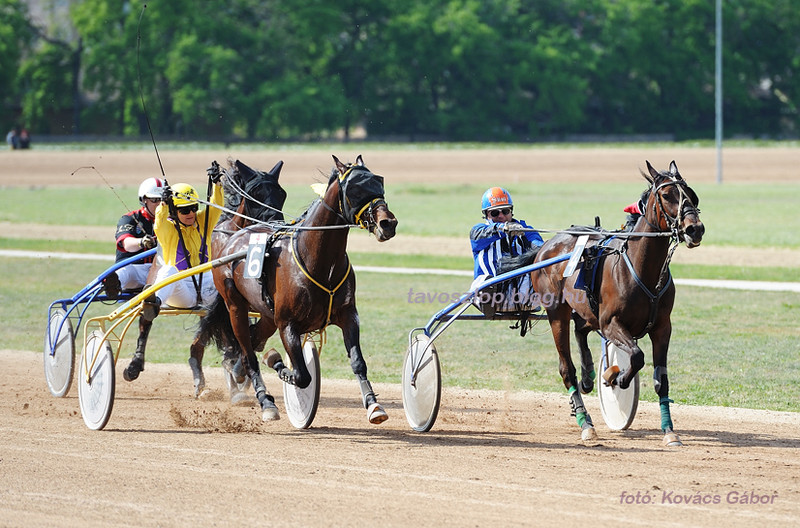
(59, 353)
(96, 381)
(421, 384)
(617, 405)
(301, 404)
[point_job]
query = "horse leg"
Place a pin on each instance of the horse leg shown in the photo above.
(238, 309)
(559, 324)
(298, 375)
(622, 338)
(588, 374)
(136, 366)
(351, 333)
(196, 352)
(660, 340)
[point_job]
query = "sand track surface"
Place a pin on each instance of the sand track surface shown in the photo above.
(492, 459)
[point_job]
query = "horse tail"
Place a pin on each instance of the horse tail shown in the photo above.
(216, 326)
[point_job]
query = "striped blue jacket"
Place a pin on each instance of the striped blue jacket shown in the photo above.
(489, 244)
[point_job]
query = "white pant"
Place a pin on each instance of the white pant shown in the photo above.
(133, 276)
(182, 294)
(511, 295)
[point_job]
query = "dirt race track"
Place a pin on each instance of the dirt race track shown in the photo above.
(493, 458)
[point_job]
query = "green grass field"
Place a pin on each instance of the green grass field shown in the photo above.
(729, 348)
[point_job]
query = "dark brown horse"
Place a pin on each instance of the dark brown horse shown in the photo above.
(251, 197)
(629, 290)
(306, 284)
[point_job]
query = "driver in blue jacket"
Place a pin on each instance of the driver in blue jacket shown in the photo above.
(500, 235)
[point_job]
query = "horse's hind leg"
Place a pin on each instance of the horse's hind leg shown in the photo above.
(351, 333)
(588, 373)
(196, 353)
(559, 324)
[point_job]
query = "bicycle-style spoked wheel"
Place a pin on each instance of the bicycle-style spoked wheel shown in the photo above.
(301, 404)
(96, 381)
(617, 405)
(59, 353)
(421, 384)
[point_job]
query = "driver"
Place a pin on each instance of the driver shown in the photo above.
(501, 235)
(135, 235)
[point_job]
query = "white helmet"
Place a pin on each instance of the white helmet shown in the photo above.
(150, 188)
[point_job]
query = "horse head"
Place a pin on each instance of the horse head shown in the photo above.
(255, 194)
(671, 206)
(361, 198)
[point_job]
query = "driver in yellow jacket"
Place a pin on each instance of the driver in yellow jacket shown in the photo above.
(184, 244)
(183, 237)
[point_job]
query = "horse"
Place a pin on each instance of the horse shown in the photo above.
(251, 197)
(629, 289)
(306, 283)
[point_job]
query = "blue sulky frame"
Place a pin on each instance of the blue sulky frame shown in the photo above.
(80, 302)
(421, 383)
(445, 317)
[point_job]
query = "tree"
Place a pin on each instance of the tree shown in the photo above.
(16, 36)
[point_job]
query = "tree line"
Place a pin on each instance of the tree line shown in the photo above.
(478, 70)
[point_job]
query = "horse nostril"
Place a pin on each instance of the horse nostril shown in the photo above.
(695, 231)
(387, 225)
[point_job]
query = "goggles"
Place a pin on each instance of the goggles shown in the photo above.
(189, 209)
(494, 213)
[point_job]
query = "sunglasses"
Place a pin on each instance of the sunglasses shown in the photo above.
(153, 200)
(188, 209)
(496, 212)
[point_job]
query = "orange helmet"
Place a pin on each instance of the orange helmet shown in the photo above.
(494, 198)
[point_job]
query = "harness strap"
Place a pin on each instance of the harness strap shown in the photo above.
(330, 292)
(654, 297)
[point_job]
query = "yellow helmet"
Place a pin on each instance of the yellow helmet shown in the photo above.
(183, 195)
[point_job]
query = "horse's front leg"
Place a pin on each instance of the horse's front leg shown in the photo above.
(298, 375)
(352, 336)
(660, 337)
(559, 324)
(620, 336)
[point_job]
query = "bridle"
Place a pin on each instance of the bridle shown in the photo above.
(686, 206)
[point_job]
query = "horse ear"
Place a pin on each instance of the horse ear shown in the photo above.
(339, 165)
(276, 170)
(652, 171)
(359, 161)
(673, 169)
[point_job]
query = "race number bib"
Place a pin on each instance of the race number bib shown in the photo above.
(256, 251)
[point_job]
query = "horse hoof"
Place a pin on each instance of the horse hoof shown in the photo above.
(586, 388)
(269, 412)
(589, 434)
(271, 357)
(672, 440)
(376, 414)
(610, 375)
(241, 399)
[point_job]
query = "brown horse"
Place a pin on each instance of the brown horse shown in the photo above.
(251, 197)
(629, 290)
(306, 283)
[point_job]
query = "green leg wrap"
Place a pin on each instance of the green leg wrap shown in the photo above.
(666, 418)
(577, 406)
